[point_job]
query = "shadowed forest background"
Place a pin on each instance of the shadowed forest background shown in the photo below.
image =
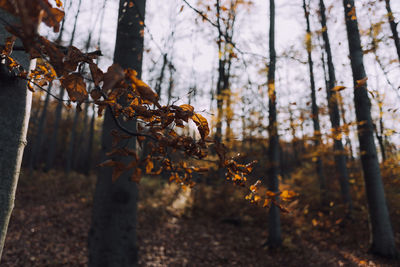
(283, 83)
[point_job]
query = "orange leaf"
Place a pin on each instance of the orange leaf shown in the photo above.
(287, 195)
(96, 73)
(186, 107)
(53, 18)
(338, 88)
(9, 45)
(146, 92)
(75, 86)
(202, 125)
(149, 165)
(362, 82)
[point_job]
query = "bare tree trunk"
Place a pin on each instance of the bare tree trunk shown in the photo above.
(383, 242)
(80, 158)
(71, 145)
(112, 237)
(53, 140)
(15, 104)
(393, 27)
(274, 221)
(340, 156)
(88, 154)
(37, 144)
(314, 107)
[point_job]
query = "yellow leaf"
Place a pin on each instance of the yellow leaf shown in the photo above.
(314, 222)
(287, 195)
(202, 125)
(266, 202)
(75, 86)
(361, 82)
(186, 107)
(149, 165)
(338, 88)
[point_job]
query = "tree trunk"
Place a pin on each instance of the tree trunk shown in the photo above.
(82, 139)
(53, 141)
(314, 107)
(15, 104)
(88, 160)
(112, 237)
(71, 145)
(274, 222)
(340, 156)
(382, 234)
(40, 136)
(393, 27)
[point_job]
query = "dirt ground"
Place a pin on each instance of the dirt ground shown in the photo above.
(208, 226)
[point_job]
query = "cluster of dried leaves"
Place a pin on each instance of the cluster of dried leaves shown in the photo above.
(120, 91)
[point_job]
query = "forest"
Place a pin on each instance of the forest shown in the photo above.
(199, 133)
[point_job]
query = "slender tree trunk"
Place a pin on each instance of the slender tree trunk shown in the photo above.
(15, 104)
(53, 140)
(37, 144)
(340, 156)
(71, 145)
(348, 140)
(295, 140)
(393, 27)
(274, 222)
(112, 237)
(80, 158)
(314, 106)
(161, 77)
(382, 234)
(171, 83)
(88, 162)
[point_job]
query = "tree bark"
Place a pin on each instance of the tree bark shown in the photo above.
(71, 145)
(53, 141)
(112, 237)
(274, 222)
(15, 104)
(393, 27)
(88, 154)
(314, 106)
(383, 242)
(37, 144)
(334, 115)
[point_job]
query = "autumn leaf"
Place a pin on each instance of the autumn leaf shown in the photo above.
(96, 72)
(187, 108)
(114, 75)
(146, 92)
(59, 3)
(75, 86)
(7, 50)
(95, 94)
(362, 82)
(338, 88)
(288, 195)
(202, 125)
(149, 165)
(53, 17)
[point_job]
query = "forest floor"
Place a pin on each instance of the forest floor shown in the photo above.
(207, 226)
